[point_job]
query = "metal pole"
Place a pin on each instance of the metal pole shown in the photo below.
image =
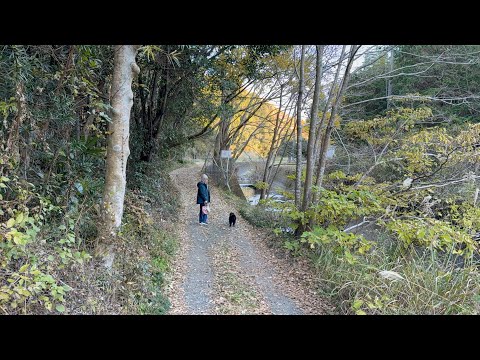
(226, 178)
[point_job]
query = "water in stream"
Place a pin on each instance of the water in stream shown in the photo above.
(253, 195)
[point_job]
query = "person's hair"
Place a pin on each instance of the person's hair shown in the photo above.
(204, 177)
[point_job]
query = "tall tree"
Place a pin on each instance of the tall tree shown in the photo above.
(333, 112)
(298, 168)
(125, 68)
(320, 125)
(312, 130)
(389, 81)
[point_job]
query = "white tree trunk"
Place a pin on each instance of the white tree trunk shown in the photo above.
(298, 170)
(118, 150)
(389, 82)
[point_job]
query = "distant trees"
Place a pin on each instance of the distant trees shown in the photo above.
(235, 70)
(444, 74)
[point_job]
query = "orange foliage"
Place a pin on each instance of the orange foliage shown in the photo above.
(262, 124)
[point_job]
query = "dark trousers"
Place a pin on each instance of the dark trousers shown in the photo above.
(202, 217)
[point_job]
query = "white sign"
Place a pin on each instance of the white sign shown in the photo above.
(226, 154)
(330, 151)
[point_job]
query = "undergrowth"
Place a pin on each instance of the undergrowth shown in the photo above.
(46, 248)
(384, 278)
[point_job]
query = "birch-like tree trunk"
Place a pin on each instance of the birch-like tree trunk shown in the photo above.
(121, 95)
(389, 81)
(298, 168)
(333, 113)
(312, 131)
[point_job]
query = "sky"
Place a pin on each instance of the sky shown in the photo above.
(357, 62)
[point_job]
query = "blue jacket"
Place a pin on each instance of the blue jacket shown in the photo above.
(203, 193)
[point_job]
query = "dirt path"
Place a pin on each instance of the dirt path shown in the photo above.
(223, 270)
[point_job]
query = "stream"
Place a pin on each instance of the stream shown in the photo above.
(252, 194)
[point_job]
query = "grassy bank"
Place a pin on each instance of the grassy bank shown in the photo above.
(385, 280)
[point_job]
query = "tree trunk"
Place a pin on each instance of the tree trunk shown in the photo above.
(318, 138)
(266, 172)
(117, 149)
(389, 81)
(272, 179)
(223, 129)
(298, 169)
(217, 147)
(312, 132)
(333, 113)
(13, 147)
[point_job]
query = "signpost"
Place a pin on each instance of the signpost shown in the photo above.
(226, 154)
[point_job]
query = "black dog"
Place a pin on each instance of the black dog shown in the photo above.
(232, 219)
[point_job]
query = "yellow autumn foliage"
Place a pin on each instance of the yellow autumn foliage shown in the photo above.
(261, 126)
